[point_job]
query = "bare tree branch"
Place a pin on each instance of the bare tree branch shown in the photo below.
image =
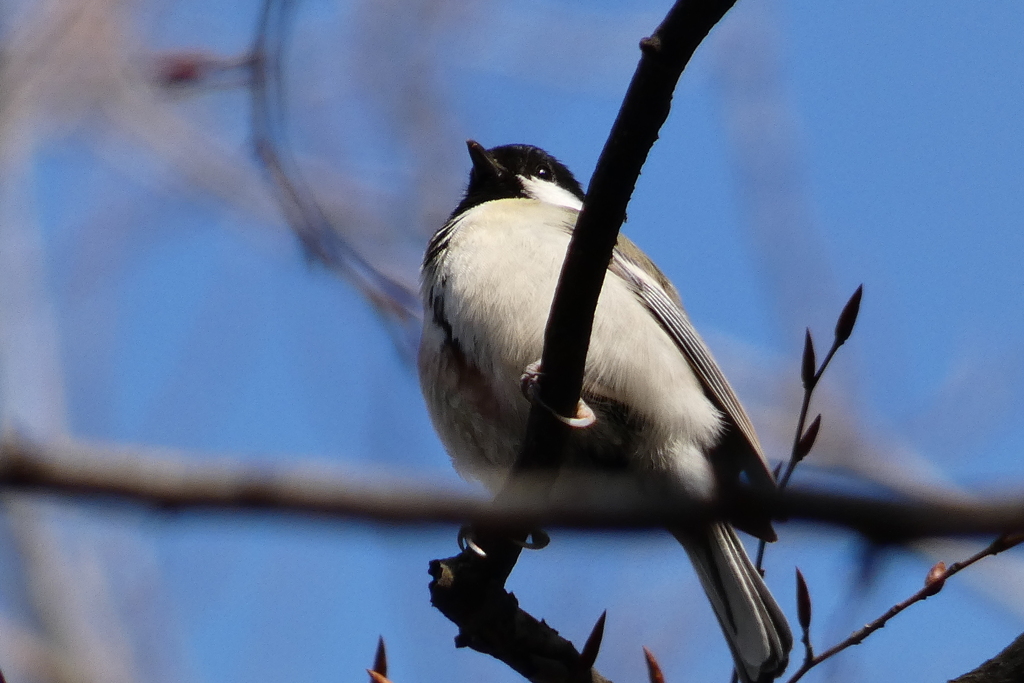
(644, 109)
(490, 621)
(169, 481)
(933, 584)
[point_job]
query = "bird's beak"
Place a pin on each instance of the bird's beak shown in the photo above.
(483, 163)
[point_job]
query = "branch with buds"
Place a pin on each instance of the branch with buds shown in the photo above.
(810, 375)
(933, 583)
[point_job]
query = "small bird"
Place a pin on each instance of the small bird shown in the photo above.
(659, 407)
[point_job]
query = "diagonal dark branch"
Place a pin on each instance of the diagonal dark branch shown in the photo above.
(567, 336)
(645, 107)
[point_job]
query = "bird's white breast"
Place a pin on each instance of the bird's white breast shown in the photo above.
(497, 278)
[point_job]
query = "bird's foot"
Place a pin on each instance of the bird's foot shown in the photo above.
(466, 542)
(528, 383)
(536, 540)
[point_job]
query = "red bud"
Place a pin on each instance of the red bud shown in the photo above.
(181, 68)
(936, 578)
(654, 674)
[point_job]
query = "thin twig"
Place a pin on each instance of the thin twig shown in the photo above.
(932, 586)
(844, 327)
(803, 439)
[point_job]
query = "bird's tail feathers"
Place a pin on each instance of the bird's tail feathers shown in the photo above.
(754, 626)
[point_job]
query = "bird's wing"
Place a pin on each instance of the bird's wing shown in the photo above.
(629, 263)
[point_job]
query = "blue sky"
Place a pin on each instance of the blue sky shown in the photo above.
(186, 316)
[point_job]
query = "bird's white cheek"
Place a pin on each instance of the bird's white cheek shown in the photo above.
(550, 193)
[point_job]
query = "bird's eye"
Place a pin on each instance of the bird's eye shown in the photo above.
(544, 172)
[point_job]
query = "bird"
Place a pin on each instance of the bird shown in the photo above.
(655, 404)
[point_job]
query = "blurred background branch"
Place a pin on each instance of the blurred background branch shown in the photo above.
(164, 480)
(398, 303)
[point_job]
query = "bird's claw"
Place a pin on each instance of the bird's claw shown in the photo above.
(536, 540)
(466, 542)
(528, 383)
(529, 379)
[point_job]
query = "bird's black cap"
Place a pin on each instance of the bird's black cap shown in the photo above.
(496, 173)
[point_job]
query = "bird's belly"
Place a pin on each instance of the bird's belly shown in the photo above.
(482, 422)
(478, 425)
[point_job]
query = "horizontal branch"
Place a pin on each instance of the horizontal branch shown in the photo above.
(168, 481)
